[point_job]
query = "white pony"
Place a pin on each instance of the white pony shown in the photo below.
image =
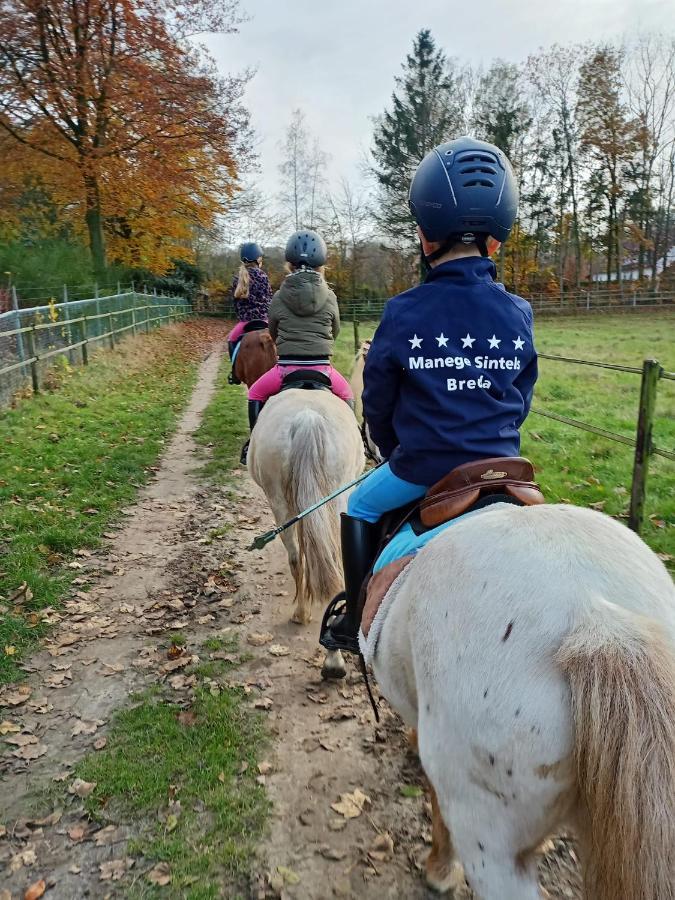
(533, 650)
(305, 445)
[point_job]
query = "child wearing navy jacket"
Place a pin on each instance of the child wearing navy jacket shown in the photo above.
(451, 370)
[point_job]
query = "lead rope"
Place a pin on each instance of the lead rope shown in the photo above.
(364, 672)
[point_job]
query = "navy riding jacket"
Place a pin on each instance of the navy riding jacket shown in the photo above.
(450, 373)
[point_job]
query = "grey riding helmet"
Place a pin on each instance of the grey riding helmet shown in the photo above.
(306, 248)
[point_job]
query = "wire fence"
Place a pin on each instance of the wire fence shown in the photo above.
(32, 338)
(651, 373)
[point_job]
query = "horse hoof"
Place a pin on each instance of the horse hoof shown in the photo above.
(333, 673)
(297, 619)
(442, 878)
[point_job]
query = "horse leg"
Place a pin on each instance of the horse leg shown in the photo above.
(443, 869)
(300, 615)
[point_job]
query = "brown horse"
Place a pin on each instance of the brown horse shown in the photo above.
(257, 354)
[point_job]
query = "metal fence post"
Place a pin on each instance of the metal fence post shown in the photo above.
(651, 372)
(110, 329)
(32, 350)
(355, 323)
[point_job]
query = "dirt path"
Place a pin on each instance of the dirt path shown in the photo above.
(160, 574)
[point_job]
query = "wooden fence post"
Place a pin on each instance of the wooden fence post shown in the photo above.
(32, 350)
(20, 350)
(355, 323)
(84, 325)
(651, 372)
(69, 330)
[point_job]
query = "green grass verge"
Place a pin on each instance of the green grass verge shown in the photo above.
(576, 466)
(69, 460)
(154, 759)
(224, 427)
(191, 783)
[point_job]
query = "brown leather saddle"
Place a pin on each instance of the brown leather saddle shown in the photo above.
(469, 486)
(464, 486)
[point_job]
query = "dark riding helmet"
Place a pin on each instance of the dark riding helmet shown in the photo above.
(464, 189)
(306, 248)
(250, 252)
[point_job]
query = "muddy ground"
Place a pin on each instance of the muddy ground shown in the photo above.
(159, 574)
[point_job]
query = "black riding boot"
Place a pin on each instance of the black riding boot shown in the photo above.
(359, 545)
(254, 407)
(230, 347)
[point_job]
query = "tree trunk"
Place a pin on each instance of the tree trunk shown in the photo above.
(94, 219)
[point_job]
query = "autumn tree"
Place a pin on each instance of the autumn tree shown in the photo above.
(426, 109)
(116, 95)
(611, 137)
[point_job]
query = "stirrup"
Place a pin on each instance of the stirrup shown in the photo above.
(331, 637)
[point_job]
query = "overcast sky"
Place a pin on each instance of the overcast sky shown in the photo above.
(337, 60)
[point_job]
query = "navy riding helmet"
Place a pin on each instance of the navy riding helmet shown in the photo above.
(306, 248)
(464, 188)
(250, 252)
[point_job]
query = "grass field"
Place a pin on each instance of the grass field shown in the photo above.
(70, 459)
(573, 465)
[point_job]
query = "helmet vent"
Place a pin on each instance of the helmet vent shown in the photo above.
(478, 182)
(488, 170)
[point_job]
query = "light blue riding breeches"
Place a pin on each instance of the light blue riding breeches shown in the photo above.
(383, 491)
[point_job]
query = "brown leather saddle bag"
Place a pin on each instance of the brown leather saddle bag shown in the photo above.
(465, 485)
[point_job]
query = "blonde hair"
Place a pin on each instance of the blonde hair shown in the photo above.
(243, 282)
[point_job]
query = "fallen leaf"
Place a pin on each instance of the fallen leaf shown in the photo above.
(288, 875)
(664, 557)
(600, 505)
(351, 805)
(22, 594)
(74, 870)
(174, 651)
(10, 650)
(410, 790)
(100, 743)
(8, 727)
(82, 788)
(258, 638)
(22, 740)
(32, 751)
(52, 819)
(111, 834)
(337, 824)
(382, 847)
(243, 768)
(262, 703)
(35, 890)
(77, 833)
(329, 852)
(187, 718)
(3, 831)
(221, 777)
(264, 767)
(279, 650)
(160, 875)
(19, 696)
(114, 869)
(82, 727)
(171, 822)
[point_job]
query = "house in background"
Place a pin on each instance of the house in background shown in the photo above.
(630, 269)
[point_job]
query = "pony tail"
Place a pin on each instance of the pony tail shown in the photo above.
(622, 686)
(243, 283)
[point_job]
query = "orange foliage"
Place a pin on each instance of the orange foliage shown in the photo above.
(120, 119)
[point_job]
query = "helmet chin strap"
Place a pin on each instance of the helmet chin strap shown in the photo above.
(480, 240)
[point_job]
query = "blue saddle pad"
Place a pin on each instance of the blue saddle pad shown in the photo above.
(406, 543)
